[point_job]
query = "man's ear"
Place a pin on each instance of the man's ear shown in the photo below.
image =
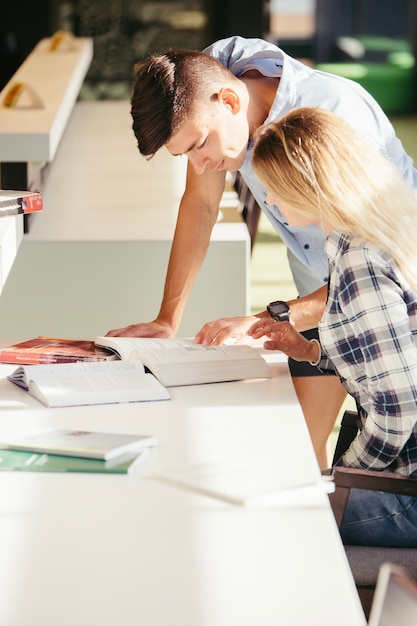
(230, 98)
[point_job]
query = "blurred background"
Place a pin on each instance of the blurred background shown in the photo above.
(374, 40)
(371, 41)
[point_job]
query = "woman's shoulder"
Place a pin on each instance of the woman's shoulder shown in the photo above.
(352, 253)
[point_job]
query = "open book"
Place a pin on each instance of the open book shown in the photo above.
(89, 382)
(182, 362)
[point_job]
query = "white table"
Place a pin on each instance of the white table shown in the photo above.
(96, 257)
(93, 549)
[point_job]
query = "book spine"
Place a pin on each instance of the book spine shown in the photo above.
(22, 205)
(44, 359)
(19, 358)
(76, 359)
(62, 358)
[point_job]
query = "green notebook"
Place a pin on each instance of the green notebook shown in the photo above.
(13, 460)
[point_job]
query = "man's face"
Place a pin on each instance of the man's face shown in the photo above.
(214, 138)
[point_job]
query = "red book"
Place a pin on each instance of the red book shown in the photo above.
(19, 202)
(54, 350)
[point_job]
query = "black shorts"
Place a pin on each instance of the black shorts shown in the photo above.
(303, 368)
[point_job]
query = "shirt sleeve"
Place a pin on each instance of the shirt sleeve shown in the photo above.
(241, 54)
(384, 350)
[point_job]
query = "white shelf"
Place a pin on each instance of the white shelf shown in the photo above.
(33, 134)
(56, 77)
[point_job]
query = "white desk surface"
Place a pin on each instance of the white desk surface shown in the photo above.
(93, 549)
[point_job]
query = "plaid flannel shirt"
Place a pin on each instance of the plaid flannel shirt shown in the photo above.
(369, 331)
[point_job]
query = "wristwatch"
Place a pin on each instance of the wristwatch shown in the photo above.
(279, 310)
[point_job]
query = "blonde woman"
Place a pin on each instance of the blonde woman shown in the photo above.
(319, 171)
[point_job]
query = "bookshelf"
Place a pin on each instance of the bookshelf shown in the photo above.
(35, 106)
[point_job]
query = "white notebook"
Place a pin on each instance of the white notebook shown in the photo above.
(79, 443)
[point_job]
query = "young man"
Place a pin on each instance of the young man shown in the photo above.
(208, 106)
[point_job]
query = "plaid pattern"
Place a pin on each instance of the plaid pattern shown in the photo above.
(369, 331)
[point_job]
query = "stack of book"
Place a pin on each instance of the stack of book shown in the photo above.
(67, 372)
(63, 450)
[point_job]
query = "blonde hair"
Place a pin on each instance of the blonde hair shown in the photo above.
(323, 168)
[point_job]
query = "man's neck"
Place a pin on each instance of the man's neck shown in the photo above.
(262, 91)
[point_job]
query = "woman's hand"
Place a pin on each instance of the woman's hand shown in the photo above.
(283, 336)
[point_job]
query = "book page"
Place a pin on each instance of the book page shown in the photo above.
(76, 370)
(133, 347)
(174, 350)
(182, 362)
(89, 383)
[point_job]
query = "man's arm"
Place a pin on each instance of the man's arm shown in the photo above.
(306, 313)
(197, 215)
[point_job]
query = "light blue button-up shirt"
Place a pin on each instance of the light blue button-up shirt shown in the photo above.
(302, 86)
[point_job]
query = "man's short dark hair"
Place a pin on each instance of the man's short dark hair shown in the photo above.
(166, 90)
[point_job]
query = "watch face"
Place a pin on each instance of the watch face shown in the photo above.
(279, 310)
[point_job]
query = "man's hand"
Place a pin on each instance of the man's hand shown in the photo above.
(219, 331)
(148, 329)
(283, 336)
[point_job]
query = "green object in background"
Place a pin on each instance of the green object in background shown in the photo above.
(390, 85)
(381, 65)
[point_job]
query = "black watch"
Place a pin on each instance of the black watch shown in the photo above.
(279, 310)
